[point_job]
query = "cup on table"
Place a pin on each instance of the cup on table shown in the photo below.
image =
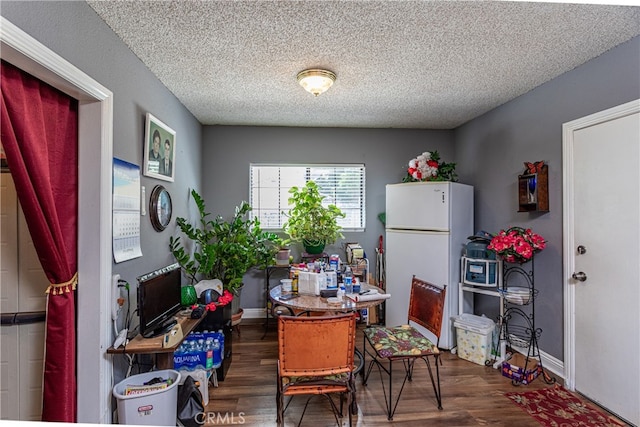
(286, 285)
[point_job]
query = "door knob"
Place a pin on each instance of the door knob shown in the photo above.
(582, 250)
(579, 276)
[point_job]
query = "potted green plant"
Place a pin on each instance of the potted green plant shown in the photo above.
(221, 249)
(309, 221)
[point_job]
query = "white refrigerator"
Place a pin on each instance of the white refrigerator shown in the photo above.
(427, 227)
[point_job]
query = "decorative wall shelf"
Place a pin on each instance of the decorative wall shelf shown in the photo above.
(533, 191)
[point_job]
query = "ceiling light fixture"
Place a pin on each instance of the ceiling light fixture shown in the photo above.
(316, 80)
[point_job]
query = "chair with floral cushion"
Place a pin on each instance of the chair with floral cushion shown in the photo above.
(315, 357)
(406, 344)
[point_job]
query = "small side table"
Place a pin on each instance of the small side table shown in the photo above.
(268, 273)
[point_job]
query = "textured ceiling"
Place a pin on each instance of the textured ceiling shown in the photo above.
(399, 64)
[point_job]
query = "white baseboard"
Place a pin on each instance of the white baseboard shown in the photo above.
(549, 363)
(253, 313)
(552, 364)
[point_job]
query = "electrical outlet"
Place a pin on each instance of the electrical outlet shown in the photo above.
(115, 294)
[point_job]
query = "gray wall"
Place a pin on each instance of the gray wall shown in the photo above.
(228, 150)
(74, 31)
(491, 149)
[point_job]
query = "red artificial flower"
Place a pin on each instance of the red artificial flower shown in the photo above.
(516, 245)
(225, 298)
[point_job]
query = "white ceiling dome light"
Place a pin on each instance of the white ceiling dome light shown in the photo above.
(315, 80)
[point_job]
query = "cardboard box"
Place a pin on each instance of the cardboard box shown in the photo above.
(514, 368)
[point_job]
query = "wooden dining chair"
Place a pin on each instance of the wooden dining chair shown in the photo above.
(315, 357)
(406, 344)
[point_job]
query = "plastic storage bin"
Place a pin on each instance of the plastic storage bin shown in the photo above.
(148, 406)
(474, 337)
(480, 272)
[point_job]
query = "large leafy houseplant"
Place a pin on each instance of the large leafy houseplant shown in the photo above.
(222, 249)
(309, 221)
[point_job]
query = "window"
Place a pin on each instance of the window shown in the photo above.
(342, 185)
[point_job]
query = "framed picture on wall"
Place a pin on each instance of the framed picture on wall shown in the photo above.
(159, 150)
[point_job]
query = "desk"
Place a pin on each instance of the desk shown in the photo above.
(164, 355)
(318, 304)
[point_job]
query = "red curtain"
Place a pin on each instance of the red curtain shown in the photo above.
(39, 133)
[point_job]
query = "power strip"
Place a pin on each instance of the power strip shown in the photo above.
(173, 337)
(115, 294)
(121, 338)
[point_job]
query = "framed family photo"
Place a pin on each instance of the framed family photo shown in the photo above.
(159, 150)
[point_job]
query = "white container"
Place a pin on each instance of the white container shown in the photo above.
(332, 280)
(310, 283)
(517, 295)
(157, 407)
(282, 257)
(474, 337)
(286, 285)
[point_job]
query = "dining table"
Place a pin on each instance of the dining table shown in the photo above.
(310, 303)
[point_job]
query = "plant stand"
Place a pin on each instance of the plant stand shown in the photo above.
(517, 325)
(268, 271)
(236, 319)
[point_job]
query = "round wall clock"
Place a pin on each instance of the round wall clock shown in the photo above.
(160, 208)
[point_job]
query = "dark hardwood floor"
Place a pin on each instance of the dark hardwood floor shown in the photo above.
(472, 395)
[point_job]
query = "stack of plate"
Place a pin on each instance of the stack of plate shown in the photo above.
(517, 295)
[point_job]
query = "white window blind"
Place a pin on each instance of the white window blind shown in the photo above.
(343, 185)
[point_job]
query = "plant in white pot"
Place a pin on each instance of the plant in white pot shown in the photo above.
(223, 249)
(309, 221)
(283, 256)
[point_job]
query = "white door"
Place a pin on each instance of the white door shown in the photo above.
(23, 286)
(602, 253)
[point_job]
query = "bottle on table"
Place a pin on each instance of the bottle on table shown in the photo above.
(294, 282)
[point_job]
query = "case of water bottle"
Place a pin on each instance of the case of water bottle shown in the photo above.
(200, 350)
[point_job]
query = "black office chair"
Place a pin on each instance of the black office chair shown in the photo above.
(405, 343)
